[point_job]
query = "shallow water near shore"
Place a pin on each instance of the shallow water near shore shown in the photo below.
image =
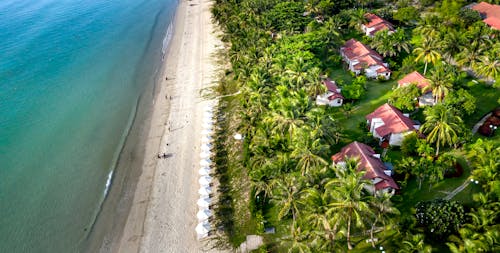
(71, 75)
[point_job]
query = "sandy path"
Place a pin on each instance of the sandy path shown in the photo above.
(163, 214)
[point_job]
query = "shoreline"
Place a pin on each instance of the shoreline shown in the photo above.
(159, 209)
(110, 222)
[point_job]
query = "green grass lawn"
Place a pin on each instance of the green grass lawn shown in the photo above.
(411, 194)
(377, 94)
(486, 100)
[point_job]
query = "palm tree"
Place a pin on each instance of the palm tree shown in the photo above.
(384, 211)
(470, 55)
(349, 203)
(287, 192)
(442, 126)
(439, 84)
(307, 150)
(484, 158)
(427, 52)
(452, 44)
(383, 44)
(320, 215)
(357, 18)
(489, 66)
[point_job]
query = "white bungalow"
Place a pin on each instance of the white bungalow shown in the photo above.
(333, 96)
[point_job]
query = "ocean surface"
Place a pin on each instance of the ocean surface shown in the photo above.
(71, 74)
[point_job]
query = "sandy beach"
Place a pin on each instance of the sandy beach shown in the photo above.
(162, 217)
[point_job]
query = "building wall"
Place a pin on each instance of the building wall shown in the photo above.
(396, 139)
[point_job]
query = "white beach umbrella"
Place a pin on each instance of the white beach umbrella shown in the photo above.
(202, 229)
(203, 215)
(206, 139)
(205, 162)
(205, 180)
(208, 126)
(204, 202)
(205, 154)
(207, 132)
(208, 121)
(206, 147)
(204, 171)
(205, 190)
(208, 115)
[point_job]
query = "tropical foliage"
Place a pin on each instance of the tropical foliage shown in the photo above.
(280, 174)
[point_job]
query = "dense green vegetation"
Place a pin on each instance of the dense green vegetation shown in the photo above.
(280, 175)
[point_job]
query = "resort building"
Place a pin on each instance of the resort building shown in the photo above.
(332, 97)
(361, 58)
(368, 161)
(390, 125)
(422, 83)
(375, 24)
(490, 13)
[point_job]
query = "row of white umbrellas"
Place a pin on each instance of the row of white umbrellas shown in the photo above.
(204, 213)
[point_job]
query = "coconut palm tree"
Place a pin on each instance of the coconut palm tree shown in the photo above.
(384, 211)
(349, 203)
(287, 196)
(452, 44)
(383, 44)
(442, 126)
(439, 84)
(484, 158)
(470, 55)
(489, 66)
(307, 150)
(427, 52)
(320, 215)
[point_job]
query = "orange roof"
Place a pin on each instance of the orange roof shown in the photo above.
(494, 22)
(490, 13)
(367, 161)
(355, 50)
(377, 23)
(332, 87)
(394, 120)
(416, 78)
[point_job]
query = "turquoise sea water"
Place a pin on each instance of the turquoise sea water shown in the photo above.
(71, 72)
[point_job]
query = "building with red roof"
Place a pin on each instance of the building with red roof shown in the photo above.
(333, 96)
(362, 58)
(489, 12)
(375, 24)
(422, 83)
(390, 125)
(370, 162)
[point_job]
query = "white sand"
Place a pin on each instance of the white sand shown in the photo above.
(163, 214)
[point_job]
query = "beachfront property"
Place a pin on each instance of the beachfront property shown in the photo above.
(370, 162)
(490, 13)
(390, 125)
(363, 59)
(422, 84)
(376, 24)
(333, 96)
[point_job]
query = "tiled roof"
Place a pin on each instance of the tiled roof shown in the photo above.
(494, 22)
(490, 13)
(394, 120)
(355, 50)
(386, 183)
(332, 88)
(377, 23)
(367, 161)
(416, 78)
(330, 85)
